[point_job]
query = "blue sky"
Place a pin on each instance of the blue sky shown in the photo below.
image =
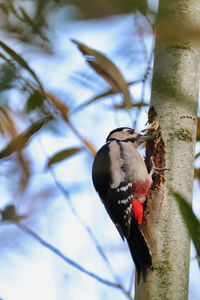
(30, 271)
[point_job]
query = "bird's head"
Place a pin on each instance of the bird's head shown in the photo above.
(126, 134)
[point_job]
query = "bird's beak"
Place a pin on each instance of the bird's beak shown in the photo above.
(145, 138)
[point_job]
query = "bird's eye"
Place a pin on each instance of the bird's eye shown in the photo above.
(130, 131)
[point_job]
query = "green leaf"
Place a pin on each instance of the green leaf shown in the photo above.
(20, 142)
(107, 70)
(64, 154)
(197, 155)
(34, 101)
(191, 221)
(9, 214)
(20, 61)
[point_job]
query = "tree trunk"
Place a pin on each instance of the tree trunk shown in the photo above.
(173, 116)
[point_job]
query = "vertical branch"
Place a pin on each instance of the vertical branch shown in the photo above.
(173, 115)
(69, 261)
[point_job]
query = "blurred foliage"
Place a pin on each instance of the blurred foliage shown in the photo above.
(29, 20)
(62, 155)
(21, 141)
(191, 221)
(30, 23)
(8, 75)
(28, 109)
(9, 214)
(18, 59)
(107, 70)
(27, 26)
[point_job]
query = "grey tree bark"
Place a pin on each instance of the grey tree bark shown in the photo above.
(173, 116)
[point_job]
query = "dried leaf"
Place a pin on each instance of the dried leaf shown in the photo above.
(191, 221)
(90, 146)
(107, 70)
(9, 129)
(7, 122)
(20, 142)
(197, 174)
(24, 172)
(58, 105)
(9, 214)
(62, 155)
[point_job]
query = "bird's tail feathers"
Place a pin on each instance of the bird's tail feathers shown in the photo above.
(139, 249)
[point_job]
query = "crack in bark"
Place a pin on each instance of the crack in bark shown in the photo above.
(156, 149)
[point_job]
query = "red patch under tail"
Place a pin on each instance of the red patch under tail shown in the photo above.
(137, 210)
(140, 190)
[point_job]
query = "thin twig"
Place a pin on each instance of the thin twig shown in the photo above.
(69, 261)
(141, 34)
(86, 227)
(63, 256)
(100, 96)
(66, 195)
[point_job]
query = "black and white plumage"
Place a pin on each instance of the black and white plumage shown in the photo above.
(120, 177)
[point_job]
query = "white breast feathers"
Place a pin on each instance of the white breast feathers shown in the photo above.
(134, 166)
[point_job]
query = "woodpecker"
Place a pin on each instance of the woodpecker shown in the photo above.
(122, 181)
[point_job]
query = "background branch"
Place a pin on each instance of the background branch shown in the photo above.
(69, 261)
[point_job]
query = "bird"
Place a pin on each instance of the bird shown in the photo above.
(121, 179)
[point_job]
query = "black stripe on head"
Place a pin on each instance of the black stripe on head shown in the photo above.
(118, 130)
